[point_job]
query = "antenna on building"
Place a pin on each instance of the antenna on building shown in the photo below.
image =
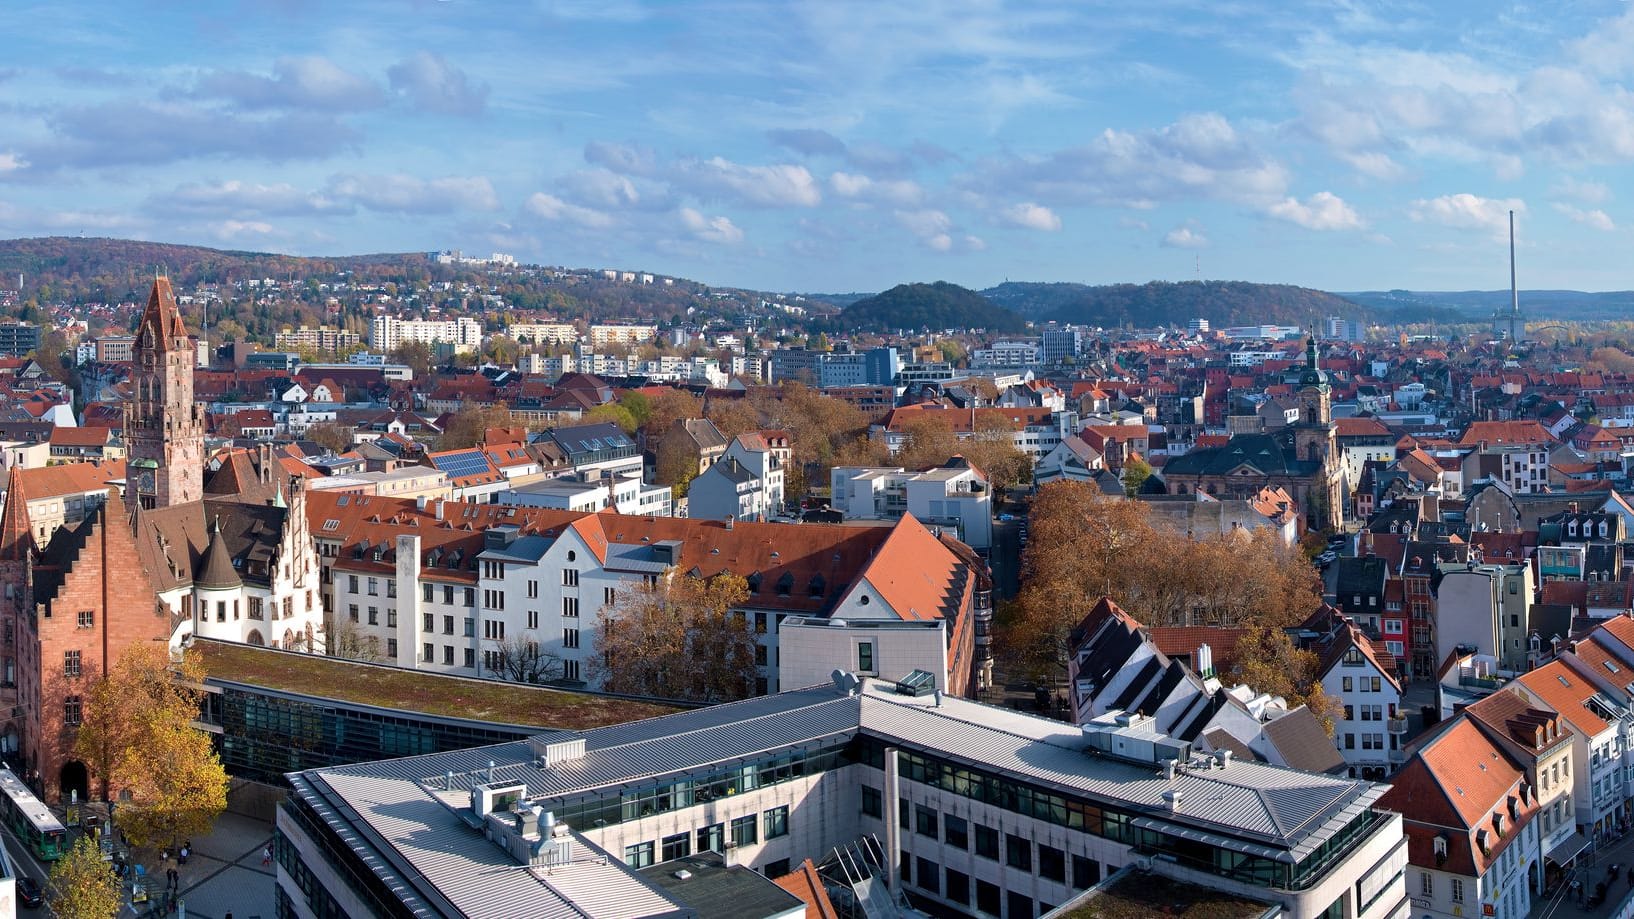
(1514, 290)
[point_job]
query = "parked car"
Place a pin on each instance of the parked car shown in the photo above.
(28, 891)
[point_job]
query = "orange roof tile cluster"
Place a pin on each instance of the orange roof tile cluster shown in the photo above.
(1563, 690)
(1504, 432)
(801, 569)
(805, 883)
(1459, 780)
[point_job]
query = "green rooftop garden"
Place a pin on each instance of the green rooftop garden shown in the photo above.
(413, 690)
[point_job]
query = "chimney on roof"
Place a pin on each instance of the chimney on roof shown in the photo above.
(729, 521)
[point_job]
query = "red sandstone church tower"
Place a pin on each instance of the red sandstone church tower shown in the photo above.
(164, 427)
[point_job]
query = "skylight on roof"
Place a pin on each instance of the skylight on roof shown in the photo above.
(1613, 667)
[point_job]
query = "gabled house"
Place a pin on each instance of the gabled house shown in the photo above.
(1357, 674)
(1469, 814)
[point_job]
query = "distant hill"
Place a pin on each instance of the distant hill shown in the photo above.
(1159, 303)
(77, 270)
(1478, 305)
(932, 306)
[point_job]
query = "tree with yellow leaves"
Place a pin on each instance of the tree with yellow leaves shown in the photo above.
(138, 737)
(83, 886)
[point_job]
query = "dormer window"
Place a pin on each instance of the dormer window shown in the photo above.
(1440, 846)
(1484, 840)
(1498, 823)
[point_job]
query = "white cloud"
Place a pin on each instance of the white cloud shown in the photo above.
(411, 195)
(1376, 165)
(710, 229)
(10, 162)
(927, 224)
(1031, 216)
(621, 158)
(602, 188)
(936, 231)
(1321, 211)
(309, 82)
(1133, 223)
(1198, 156)
(900, 192)
(240, 229)
(1595, 219)
(1582, 190)
(1184, 238)
(778, 185)
(434, 85)
(237, 197)
(1467, 212)
(555, 209)
(1371, 103)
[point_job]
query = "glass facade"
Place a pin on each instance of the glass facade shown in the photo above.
(1114, 824)
(266, 734)
(713, 785)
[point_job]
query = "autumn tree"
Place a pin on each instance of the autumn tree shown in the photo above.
(1086, 545)
(468, 426)
(336, 438)
(83, 886)
(928, 440)
(1268, 661)
(417, 355)
(733, 416)
(522, 660)
(822, 431)
(683, 638)
(138, 736)
(666, 408)
(992, 447)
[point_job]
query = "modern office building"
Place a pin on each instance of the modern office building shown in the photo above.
(971, 809)
(19, 338)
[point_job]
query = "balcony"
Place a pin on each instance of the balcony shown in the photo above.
(1396, 757)
(1396, 725)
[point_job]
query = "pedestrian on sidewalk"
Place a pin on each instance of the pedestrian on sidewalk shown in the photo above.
(186, 851)
(266, 859)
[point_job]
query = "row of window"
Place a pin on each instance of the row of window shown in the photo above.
(957, 886)
(745, 831)
(1116, 825)
(717, 784)
(955, 831)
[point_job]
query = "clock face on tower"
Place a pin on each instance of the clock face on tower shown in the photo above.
(145, 482)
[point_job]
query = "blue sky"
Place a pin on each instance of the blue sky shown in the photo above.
(837, 145)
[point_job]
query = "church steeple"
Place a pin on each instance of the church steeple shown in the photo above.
(164, 427)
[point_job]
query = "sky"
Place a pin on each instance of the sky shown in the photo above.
(844, 146)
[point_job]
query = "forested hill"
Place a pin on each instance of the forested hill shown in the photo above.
(929, 306)
(78, 269)
(1159, 303)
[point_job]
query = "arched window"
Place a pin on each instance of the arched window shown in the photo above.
(255, 638)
